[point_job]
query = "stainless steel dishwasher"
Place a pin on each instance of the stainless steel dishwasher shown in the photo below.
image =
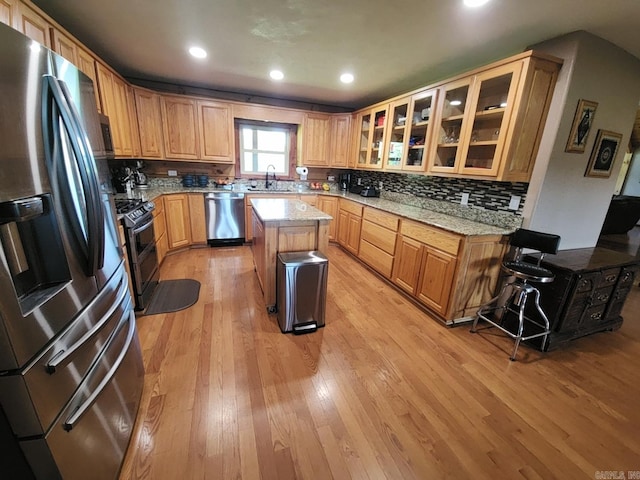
(224, 213)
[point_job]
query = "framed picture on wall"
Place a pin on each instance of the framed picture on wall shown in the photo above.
(581, 126)
(603, 154)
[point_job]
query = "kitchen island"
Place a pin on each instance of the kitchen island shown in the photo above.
(284, 225)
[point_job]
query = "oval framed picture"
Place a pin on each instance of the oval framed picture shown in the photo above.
(603, 155)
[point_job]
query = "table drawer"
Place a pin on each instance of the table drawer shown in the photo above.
(436, 238)
(381, 237)
(384, 219)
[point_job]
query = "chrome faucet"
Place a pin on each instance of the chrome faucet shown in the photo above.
(268, 183)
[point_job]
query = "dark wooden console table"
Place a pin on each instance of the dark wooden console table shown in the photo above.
(588, 293)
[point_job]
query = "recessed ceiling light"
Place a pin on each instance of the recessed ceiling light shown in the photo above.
(198, 52)
(475, 3)
(346, 78)
(276, 74)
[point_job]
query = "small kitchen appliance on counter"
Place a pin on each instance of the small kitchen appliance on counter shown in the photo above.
(369, 192)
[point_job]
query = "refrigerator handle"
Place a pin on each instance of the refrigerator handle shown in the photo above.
(81, 410)
(62, 356)
(86, 168)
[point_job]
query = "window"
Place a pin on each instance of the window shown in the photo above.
(265, 144)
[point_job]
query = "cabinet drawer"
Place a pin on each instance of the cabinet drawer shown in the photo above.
(601, 295)
(447, 242)
(628, 275)
(387, 220)
(376, 258)
(588, 282)
(351, 207)
(379, 236)
(609, 277)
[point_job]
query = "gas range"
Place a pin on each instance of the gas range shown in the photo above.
(134, 211)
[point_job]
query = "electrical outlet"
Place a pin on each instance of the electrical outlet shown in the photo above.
(465, 199)
(380, 185)
(514, 203)
(172, 173)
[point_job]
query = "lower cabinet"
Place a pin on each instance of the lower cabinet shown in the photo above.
(349, 224)
(197, 219)
(378, 240)
(176, 208)
(160, 230)
(424, 270)
(330, 205)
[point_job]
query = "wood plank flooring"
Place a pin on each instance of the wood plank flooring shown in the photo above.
(383, 391)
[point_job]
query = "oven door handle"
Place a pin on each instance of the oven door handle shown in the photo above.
(71, 421)
(142, 228)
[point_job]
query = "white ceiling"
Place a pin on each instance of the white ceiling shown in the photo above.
(391, 46)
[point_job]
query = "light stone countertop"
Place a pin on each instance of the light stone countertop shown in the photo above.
(451, 223)
(285, 209)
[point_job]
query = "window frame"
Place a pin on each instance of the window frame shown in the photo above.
(292, 130)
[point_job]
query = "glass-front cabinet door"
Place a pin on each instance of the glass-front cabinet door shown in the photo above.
(363, 123)
(451, 124)
(419, 130)
(493, 100)
(376, 150)
(396, 141)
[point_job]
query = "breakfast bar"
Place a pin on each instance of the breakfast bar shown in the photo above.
(284, 225)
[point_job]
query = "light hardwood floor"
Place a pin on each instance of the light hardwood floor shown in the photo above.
(383, 391)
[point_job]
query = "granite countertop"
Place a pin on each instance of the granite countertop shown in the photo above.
(284, 209)
(452, 223)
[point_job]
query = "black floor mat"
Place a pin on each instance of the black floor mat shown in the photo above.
(173, 295)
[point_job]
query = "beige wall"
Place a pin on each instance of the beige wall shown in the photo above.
(561, 199)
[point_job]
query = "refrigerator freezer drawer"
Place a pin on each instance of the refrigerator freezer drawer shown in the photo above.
(91, 436)
(34, 397)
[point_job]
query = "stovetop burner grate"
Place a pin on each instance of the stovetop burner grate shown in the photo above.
(126, 205)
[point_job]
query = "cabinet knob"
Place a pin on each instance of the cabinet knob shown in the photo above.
(596, 316)
(610, 278)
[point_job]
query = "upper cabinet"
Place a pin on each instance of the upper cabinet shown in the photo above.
(371, 126)
(149, 123)
(115, 100)
(215, 123)
(409, 131)
(485, 124)
(33, 25)
(340, 140)
(316, 129)
(9, 12)
(180, 127)
(87, 64)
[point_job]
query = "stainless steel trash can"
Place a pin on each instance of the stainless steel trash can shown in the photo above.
(301, 291)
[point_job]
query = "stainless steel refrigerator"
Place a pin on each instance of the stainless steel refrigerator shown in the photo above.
(71, 371)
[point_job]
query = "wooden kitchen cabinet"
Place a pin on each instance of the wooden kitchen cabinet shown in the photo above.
(371, 125)
(115, 104)
(197, 219)
(149, 123)
(330, 205)
(436, 280)
(160, 229)
(64, 46)
(33, 25)
(216, 132)
(489, 124)
(176, 208)
(9, 12)
(349, 225)
(316, 129)
(409, 132)
(340, 141)
(378, 240)
(180, 127)
(87, 64)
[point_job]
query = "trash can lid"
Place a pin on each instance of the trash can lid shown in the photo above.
(302, 258)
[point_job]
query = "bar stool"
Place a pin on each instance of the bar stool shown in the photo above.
(521, 274)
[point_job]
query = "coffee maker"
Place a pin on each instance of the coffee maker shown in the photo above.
(345, 181)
